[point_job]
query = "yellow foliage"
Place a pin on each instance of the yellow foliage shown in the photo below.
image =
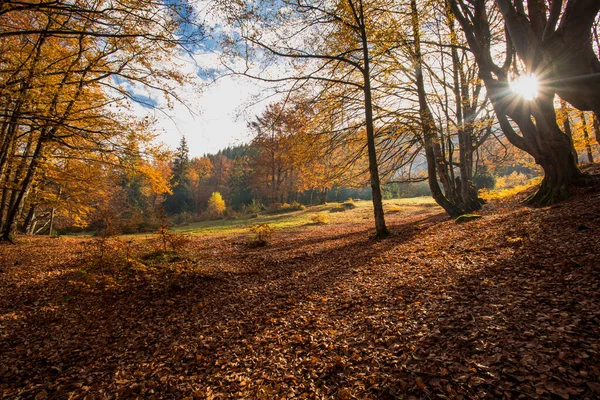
(216, 204)
(262, 232)
(320, 219)
(507, 192)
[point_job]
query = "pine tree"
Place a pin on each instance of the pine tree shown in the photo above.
(181, 198)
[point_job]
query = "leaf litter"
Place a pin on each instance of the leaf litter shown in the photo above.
(505, 306)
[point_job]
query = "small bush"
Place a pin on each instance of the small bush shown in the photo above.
(510, 181)
(488, 195)
(216, 204)
(262, 233)
(253, 208)
(295, 206)
(320, 219)
(337, 208)
(183, 218)
(273, 207)
(349, 204)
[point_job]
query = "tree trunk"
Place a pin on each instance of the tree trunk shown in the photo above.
(323, 195)
(52, 212)
(551, 149)
(540, 136)
(10, 224)
(567, 128)
(29, 220)
(380, 227)
(427, 124)
(586, 138)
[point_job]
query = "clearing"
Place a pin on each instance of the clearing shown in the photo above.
(507, 305)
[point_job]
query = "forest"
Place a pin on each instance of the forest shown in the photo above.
(413, 212)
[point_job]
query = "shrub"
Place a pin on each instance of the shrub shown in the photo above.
(254, 208)
(484, 180)
(262, 234)
(285, 207)
(295, 206)
(349, 204)
(182, 218)
(510, 181)
(320, 219)
(216, 204)
(488, 195)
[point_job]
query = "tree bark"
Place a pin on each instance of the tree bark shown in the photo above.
(427, 124)
(540, 135)
(586, 138)
(380, 226)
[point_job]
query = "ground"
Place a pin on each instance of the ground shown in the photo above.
(507, 305)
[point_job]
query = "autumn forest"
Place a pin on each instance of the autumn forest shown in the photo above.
(412, 211)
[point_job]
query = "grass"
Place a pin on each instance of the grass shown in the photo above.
(303, 218)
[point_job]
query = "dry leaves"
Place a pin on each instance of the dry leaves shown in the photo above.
(504, 306)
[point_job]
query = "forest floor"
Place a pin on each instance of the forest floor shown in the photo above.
(507, 305)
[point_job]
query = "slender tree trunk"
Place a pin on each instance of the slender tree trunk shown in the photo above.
(427, 123)
(9, 228)
(567, 128)
(586, 137)
(380, 226)
(52, 212)
(29, 219)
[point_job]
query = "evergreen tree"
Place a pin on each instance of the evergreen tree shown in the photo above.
(181, 199)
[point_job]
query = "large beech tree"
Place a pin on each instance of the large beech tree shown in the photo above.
(539, 133)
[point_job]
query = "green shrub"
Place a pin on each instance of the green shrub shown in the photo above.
(253, 208)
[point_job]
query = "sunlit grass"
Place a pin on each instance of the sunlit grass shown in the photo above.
(304, 218)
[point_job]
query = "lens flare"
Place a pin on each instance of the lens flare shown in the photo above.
(525, 86)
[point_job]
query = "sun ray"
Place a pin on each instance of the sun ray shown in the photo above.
(526, 86)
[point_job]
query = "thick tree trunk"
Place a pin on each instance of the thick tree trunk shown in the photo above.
(552, 150)
(540, 135)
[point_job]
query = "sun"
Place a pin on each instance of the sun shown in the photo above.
(526, 86)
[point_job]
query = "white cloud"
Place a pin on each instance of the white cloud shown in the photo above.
(221, 113)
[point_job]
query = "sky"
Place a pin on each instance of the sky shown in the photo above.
(211, 120)
(213, 117)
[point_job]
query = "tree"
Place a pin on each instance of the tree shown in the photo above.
(64, 70)
(216, 204)
(540, 134)
(331, 38)
(181, 198)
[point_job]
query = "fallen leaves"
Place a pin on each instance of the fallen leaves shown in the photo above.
(504, 306)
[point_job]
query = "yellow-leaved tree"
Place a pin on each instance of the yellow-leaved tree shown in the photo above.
(216, 204)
